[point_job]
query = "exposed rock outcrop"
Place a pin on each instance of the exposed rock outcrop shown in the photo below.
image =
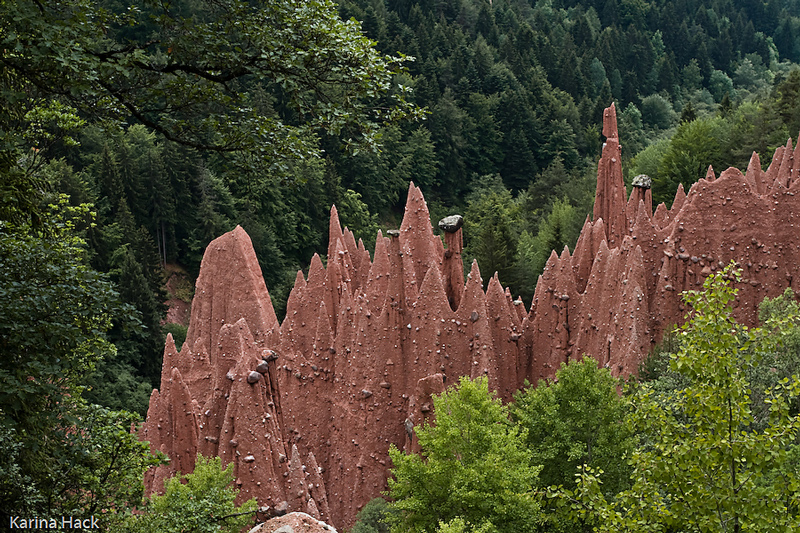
(293, 523)
(624, 281)
(307, 409)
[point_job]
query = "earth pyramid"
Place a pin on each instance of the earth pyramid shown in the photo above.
(306, 409)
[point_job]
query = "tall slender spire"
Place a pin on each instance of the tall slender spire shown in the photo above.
(610, 197)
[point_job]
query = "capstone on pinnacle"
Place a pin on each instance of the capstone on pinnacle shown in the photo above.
(643, 181)
(451, 224)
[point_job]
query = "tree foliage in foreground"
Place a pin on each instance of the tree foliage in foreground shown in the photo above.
(200, 502)
(227, 76)
(473, 467)
(58, 455)
(576, 420)
(372, 518)
(704, 464)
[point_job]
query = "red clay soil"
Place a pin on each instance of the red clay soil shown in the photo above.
(178, 310)
(307, 409)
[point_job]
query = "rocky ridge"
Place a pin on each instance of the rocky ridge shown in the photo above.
(307, 409)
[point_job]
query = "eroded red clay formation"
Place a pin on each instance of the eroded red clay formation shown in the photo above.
(617, 293)
(366, 342)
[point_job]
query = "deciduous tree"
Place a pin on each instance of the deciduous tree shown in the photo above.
(189, 69)
(576, 420)
(199, 502)
(473, 466)
(59, 456)
(704, 464)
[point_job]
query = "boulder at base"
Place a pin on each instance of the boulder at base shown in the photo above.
(294, 523)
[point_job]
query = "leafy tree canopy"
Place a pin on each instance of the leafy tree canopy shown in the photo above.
(576, 420)
(696, 146)
(53, 313)
(473, 466)
(200, 502)
(255, 79)
(705, 464)
(59, 456)
(372, 518)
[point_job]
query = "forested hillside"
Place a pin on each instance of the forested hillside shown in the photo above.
(512, 94)
(516, 91)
